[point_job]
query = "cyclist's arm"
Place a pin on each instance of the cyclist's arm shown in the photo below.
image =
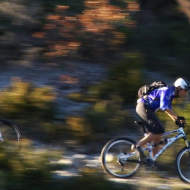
(165, 104)
(171, 113)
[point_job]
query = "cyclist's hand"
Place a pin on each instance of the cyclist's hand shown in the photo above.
(180, 120)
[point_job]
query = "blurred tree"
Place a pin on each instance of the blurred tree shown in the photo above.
(124, 79)
(184, 7)
(121, 3)
(156, 4)
(17, 20)
(97, 34)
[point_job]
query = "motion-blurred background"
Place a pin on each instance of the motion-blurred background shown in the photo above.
(70, 71)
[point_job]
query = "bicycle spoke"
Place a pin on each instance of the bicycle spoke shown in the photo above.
(115, 159)
(9, 138)
(183, 165)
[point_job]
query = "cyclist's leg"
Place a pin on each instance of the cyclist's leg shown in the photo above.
(150, 137)
(152, 123)
(156, 141)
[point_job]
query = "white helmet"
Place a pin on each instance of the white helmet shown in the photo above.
(184, 84)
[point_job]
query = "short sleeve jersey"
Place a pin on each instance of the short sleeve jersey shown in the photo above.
(160, 98)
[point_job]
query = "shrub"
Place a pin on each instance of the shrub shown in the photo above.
(34, 169)
(124, 79)
(78, 128)
(109, 117)
(22, 99)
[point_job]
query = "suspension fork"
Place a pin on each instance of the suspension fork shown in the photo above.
(187, 144)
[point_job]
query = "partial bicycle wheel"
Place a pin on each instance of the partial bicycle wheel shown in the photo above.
(183, 164)
(113, 157)
(9, 136)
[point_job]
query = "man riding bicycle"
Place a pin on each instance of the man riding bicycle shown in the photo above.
(159, 99)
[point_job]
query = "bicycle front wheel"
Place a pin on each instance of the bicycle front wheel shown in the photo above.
(183, 165)
(9, 136)
(116, 156)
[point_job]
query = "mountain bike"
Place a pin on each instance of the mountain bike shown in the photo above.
(119, 160)
(9, 136)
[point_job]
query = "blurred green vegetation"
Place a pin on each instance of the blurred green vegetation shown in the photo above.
(124, 79)
(24, 100)
(167, 42)
(33, 109)
(107, 117)
(109, 98)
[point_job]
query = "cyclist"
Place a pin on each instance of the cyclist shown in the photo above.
(159, 99)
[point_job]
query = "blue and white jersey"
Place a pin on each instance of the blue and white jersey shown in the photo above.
(160, 98)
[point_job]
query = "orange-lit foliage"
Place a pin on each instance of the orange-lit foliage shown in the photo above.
(99, 16)
(61, 35)
(68, 79)
(133, 6)
(39, 34)
(94, 32)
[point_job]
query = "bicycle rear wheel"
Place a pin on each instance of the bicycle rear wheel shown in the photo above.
(183, 164)
(9, 136)
(112, 158)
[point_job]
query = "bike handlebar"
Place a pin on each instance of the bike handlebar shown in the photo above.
(182, 125)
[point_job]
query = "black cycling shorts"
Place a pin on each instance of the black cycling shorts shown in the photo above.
(149, 118)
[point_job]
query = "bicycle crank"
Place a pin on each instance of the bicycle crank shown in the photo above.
(149, 162)
(121, 164)
(121, 160)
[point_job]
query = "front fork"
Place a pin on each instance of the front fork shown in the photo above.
(188, 146)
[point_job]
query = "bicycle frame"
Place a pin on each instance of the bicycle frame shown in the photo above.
(120, 159)
(170, 141)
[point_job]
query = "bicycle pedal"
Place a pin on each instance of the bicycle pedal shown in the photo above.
(120, 163)
(149, 162)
